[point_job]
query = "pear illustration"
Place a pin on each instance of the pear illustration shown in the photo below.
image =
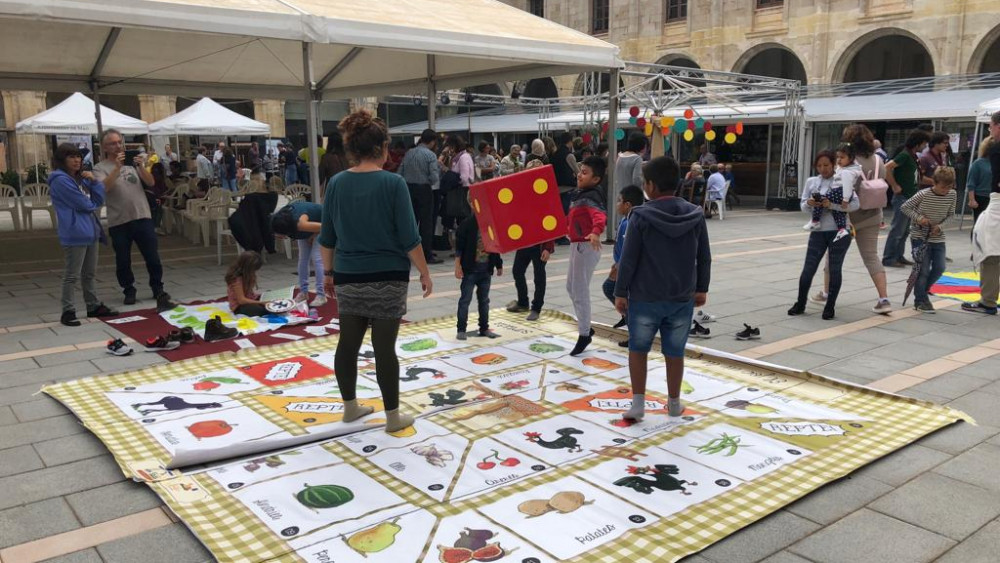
(374, 539)
(750, 407)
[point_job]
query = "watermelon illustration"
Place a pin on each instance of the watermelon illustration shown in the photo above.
(324, 496)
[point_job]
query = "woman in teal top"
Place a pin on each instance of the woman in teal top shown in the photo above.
(980, 177)
(369, 239)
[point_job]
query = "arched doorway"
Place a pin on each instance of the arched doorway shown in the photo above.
(772, 60)
(986, 57)
(890, 55)
(677, 60)
(540, 88)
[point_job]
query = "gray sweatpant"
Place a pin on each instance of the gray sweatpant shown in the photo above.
(583, 261)
(81, 264)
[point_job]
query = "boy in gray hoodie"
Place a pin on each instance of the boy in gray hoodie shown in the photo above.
(663, 274)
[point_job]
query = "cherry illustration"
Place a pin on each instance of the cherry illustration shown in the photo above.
(484, 465)
(510, 462)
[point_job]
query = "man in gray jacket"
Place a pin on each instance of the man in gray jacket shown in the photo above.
(421, 172)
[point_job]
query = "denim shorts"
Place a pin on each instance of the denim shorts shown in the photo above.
(672, 319)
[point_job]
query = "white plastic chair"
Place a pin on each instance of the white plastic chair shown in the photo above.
(36, 198)
(296, 192)
(721, 203)
(9, 202)
(201, 212)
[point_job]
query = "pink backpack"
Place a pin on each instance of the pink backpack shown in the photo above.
(872, 191)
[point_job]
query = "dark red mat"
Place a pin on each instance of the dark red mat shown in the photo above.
(154, 325)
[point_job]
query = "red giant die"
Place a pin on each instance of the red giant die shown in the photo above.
(519, 210)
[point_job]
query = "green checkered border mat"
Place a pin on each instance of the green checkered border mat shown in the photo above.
(231, 532)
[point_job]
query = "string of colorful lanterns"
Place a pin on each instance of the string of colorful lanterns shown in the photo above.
(685, 127)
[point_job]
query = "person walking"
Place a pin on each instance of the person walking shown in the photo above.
(77, 197)
(628, 167)
(333, 162)
(205, 171)
(986, 235)
(129, 218)
(229, 169)
(421, 172)
(903, 175)
(369, 237)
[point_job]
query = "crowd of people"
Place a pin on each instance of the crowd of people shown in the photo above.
(382, 205)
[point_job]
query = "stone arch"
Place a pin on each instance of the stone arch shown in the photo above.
(678, 59)
(986, 57)
(539, 88)
(774, 60)
(491, 89)
(842, 70)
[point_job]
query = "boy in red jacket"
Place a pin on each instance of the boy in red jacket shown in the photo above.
(587, 218)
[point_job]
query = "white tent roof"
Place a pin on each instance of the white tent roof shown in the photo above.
(75, 115)
(987, 109)
(490, 123)
(938, 104)
(254, 48)
(207, 117)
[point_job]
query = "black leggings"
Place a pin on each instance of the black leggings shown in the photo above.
(384, 332)
(821, 242)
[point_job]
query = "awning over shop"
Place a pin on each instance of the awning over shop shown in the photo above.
(936, 104)
(244, 48)
(75, 116)
(207, 117)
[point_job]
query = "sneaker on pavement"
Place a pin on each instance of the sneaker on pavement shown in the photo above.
(819, 298)
(117, 347)
(129, 298)
(319, 301)
(978, 307)
(68, 318)
(698, 331)
(748, 333)
(461, 335)
(513, 307)
(703, 317)
(160, 344)
(883, 307)
(487, 333)
(533, 315)
(924, 307)
(797, 309)
(101, 310)
(215, 330)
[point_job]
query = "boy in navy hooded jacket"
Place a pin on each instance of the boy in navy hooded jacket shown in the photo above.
(663, 274)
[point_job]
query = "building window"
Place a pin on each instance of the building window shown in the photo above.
(677, 10)
(600, 13)
(769, 3)
(537, 8)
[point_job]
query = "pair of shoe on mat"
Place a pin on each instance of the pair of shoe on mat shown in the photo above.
(214, 330)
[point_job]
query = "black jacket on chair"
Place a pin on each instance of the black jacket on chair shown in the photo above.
(251, 223)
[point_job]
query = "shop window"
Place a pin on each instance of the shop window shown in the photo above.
(537, 8)
(677, 10)
(600, 15)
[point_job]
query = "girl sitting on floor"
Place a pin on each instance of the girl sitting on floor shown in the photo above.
(241, 286)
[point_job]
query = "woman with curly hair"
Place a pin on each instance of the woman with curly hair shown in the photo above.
(369, 240)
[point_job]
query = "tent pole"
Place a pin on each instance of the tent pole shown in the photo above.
(96, 93)
(613, 103)
(307, 67)
(972, 152)
(431, 93)
(767, 168)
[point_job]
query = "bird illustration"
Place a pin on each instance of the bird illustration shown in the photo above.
(564, 441)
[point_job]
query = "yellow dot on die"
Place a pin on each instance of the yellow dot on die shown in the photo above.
(478, 211)
(505, 195)
(549, 223)
(489, 231)
(540, 186)
(515, 232)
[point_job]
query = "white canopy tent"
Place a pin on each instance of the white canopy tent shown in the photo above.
(478, 122)
(986, 110)
(208, 117)
(897, 106)
(75, 116)
(283, 49)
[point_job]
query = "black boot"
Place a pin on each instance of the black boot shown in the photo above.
(130, 296)
(581, 343)
(163, 302)
(68, 318)
(215, 330)
(797, 309)
(828, 313)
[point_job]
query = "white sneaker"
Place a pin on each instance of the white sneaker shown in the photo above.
(319, 301)
(302, 297)
(703, 317)
(841, 234)
(819, 298)
(811, 226)
(883, 307)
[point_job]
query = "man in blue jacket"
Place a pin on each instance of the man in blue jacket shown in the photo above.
(664, 271)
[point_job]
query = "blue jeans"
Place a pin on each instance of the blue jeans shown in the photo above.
(143, 234)
(229, 184)
(672, 319)
(480, 282)
(291, 175)
(820, 242)
(931, 268)
(895, 244)
(309, 252)
(609, 291)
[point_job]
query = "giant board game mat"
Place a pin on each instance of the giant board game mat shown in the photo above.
(520, 454)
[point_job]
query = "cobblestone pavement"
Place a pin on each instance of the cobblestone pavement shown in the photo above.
(65, 499)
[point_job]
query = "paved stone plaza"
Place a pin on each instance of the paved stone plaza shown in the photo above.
(938, 499)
